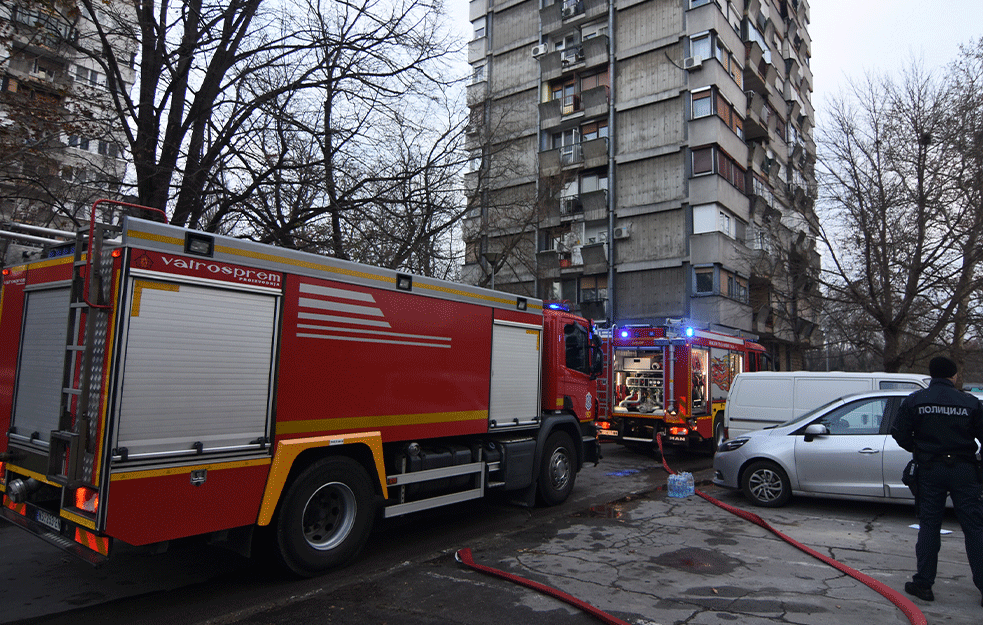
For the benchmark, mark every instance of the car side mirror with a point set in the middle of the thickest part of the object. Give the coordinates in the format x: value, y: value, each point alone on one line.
x: 815, y: 429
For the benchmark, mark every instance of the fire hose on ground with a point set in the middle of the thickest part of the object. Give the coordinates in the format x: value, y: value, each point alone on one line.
x: 909, y: 609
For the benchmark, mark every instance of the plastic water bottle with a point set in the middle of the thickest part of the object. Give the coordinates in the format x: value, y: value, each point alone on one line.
x: 689, y: 486
x: 681, y: 485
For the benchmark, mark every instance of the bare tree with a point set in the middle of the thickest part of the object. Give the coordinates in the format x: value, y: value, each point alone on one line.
x: 901, y: 249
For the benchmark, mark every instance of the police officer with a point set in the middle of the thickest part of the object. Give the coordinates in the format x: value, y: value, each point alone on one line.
x: 940, y: 426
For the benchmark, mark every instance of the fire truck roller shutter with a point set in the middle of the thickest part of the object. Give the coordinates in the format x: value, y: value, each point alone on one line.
x: 516, y: 358
x: 197, y: 368
x: 39, y: 376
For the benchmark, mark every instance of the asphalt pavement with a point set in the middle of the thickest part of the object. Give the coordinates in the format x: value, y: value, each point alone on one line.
x: 645, y: 558
x: 655, y: 560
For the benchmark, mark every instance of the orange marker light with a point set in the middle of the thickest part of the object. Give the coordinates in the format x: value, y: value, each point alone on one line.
x: 87, y: 499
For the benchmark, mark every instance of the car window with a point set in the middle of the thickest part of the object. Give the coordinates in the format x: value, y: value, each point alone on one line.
x: 887, y: 385
x: 808, y: 415
x: 855, y: 418
x: 893, y: 403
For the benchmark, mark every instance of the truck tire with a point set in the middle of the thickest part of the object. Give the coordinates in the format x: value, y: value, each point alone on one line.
x: 325, y: 518
x: 559, y: 469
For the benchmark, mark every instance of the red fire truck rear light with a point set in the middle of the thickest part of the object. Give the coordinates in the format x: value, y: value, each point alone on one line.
x: 87, y: 499
x: 678, y: 431
x: 117, y: 253
x: 6, y: 272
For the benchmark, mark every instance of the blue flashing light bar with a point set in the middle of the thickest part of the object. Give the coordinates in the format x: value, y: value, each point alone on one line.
x: 624, y: 334
x: 689, y: 331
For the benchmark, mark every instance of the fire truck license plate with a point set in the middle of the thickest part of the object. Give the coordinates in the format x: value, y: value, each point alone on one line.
x: 48, y: 519
x: 608, y: 432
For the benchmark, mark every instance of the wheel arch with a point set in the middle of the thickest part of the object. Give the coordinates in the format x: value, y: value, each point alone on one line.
x: 293, y: 456
x: 566, y: 423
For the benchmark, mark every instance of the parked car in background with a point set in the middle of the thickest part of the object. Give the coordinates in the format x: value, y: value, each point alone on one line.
x: 842, y: 449
x: 767, y: 398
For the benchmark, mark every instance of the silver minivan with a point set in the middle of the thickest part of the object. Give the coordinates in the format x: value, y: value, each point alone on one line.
x: 766, y: 398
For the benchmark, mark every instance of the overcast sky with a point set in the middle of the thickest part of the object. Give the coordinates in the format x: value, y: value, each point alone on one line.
x: 850, y: 37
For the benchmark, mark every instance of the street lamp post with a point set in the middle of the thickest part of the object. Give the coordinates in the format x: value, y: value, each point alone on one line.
x: 492, y: 259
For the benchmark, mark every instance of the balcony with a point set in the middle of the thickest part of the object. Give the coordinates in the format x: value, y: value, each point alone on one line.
x: 758, y: 123
x: 590, y: 53
x: 552, y: 162
x: 594, y: 153
x: 595, y: 101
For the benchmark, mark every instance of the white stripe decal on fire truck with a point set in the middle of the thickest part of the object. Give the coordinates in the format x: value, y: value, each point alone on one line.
x: 362, y: 316
x: 336, y: 319
x: 333, y: 292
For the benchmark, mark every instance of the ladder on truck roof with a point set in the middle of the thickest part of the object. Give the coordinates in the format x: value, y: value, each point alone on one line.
x: 71, y: 451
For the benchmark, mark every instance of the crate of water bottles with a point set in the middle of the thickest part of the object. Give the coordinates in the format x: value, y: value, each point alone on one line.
x: 681, y: 484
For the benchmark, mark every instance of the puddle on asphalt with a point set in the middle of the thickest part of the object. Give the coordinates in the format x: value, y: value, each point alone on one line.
x: 624, y: 473
x: 612, y: 510
x: 695, y: 560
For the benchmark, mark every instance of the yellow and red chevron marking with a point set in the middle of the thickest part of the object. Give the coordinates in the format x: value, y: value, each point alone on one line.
x: 19, y: 508
x: 96, y: 543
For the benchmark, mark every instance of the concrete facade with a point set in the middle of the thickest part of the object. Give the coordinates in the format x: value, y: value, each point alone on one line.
x: 63, y: 144
x: 665, y: 156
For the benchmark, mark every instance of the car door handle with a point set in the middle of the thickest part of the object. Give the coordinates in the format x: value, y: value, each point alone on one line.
x: 868, y: 450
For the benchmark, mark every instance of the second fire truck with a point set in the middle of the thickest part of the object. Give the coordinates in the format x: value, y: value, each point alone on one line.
x: 670, y: 378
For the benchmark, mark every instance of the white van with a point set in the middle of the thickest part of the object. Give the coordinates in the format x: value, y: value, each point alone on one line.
x: 767, y: 398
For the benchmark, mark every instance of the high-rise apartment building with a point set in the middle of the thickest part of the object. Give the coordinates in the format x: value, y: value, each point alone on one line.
x: 646, y: 159
x: 60, y: 139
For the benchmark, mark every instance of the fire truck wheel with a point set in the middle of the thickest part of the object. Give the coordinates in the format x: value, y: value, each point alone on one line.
x: 326, y: 516
x: 766, y: 485
x: 559, y: 470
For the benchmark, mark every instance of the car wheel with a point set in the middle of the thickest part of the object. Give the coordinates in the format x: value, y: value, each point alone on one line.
x: 326, y: 516
x: 559, y: 469
x: 766, y: 485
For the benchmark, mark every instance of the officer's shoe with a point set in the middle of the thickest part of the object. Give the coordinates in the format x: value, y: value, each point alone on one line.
x: 922, y: 592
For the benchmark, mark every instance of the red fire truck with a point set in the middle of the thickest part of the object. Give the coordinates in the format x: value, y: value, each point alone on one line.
x: 670, y: 378
x: 158, y: 383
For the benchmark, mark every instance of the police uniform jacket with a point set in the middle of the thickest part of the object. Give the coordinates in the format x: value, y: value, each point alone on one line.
x: 939, y: 422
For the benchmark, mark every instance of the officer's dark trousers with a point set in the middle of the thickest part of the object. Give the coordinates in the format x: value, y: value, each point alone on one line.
x: 961, y: 482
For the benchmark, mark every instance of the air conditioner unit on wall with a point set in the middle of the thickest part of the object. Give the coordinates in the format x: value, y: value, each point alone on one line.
x: 621, y: 232
x: 569, y: 11
x: 692, y: 62
x: 539, y: 50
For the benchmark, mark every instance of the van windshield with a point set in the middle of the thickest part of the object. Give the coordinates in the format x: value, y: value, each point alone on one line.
x: 807, y: 415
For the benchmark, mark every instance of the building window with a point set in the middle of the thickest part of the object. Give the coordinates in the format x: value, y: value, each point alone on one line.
x: 595, y: 130
x: 704, y: 280
x: 702, y: 161
x: 702, y: 104
x: 713, y: 160
x: 700, y: 47
x: 594, y: 80
x: 593, y: 289
x: 593, y: 182
x: 723, y: 223
x: 565, y: 138
x: 478, y: 75
x: 479, y: 27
